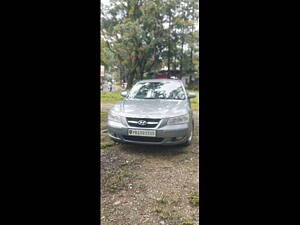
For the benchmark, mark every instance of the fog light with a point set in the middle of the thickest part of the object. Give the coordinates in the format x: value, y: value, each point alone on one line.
x: 179, y: 138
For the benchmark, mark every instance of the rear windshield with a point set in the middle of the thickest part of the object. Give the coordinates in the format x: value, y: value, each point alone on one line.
x: 157, y: 90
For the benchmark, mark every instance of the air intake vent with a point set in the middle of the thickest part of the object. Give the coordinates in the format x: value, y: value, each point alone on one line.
x: 143, y: 139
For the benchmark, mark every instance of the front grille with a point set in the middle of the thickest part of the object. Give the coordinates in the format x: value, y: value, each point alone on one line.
x: 143, y: 139
x: 151, y: 123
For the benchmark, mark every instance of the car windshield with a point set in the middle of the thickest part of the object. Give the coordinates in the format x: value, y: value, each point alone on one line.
x: 157, y: 90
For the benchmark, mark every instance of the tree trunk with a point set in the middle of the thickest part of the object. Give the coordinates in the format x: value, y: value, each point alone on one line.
x: 181, y: 58
x: 142, y: 76
x: 131, y: 75
x: 129, y: 81
x: 192, y: 65
x: 169, y: 44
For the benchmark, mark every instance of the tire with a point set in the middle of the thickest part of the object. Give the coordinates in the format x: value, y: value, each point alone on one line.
x: 190, y: 139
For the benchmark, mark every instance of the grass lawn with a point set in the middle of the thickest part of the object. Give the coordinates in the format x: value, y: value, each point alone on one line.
x: 103, y: 120
x: 111, y: 97
x: 195, y: 101
x: 106, y: 142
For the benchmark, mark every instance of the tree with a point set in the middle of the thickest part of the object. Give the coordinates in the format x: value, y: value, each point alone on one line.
x: 142, y: 35
x: 103, y: 58
x: 132, y: 30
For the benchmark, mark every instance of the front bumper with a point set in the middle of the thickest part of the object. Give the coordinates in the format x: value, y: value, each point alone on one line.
x: 166, y: 135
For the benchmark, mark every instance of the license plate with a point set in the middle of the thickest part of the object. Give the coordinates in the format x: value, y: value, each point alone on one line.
x: 144, y: 133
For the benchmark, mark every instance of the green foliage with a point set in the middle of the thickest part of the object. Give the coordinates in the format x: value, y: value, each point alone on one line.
x: 106, y: 142
x: 144, y: 36
x: 104, y: 59
x: 104, y: 116
x: 187, y: 222
x: 194, y: 198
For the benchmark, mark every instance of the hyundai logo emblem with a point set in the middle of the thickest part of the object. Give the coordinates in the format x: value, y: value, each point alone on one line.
x: 142, y: 123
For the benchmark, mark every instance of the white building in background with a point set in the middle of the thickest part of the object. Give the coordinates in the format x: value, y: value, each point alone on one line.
x: 101, y: 73
x: 185, y: 80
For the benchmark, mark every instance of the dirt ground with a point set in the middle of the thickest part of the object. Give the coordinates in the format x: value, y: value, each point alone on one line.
x: 150, y: 184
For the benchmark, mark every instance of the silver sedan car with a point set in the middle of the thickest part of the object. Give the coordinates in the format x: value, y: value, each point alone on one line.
x: 156, y: 111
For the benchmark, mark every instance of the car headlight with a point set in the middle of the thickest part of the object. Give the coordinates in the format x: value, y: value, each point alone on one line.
x: 114, y: 117
x: 178, y: 120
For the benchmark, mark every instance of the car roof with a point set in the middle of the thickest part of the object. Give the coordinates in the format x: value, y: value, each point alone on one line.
x: 160, y: 80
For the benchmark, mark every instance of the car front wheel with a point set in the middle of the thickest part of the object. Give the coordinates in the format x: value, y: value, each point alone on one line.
x: 189, y: 140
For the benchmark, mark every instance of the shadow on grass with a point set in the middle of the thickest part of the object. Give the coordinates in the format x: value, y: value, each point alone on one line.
x: 153, y: 150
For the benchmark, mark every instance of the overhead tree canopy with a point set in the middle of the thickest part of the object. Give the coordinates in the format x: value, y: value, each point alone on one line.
x: 141, y: 36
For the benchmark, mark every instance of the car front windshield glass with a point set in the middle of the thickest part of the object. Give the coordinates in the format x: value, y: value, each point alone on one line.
x: 157, y: 90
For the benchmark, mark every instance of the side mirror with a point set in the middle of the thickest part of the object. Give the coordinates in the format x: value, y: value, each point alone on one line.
x: 191, y: 95
x: 124, y: 93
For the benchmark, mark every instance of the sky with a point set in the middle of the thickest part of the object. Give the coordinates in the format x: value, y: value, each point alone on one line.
x: 104, y: 2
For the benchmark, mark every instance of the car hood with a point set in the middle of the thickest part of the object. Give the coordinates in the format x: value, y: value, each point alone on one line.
x: 151, y: 108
